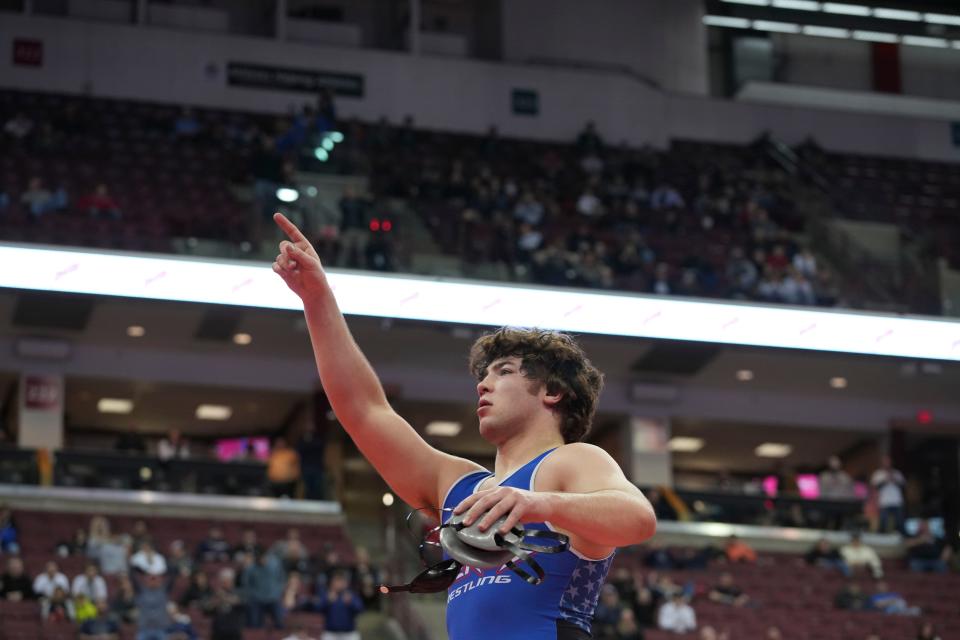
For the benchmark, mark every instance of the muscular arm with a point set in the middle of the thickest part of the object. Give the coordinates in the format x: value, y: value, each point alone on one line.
x: 414, y: 470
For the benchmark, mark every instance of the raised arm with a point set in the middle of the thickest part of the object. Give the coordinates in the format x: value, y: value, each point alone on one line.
x: 415, y: 471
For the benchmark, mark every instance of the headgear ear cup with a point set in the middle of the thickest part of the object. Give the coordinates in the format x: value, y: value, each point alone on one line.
x: 475, y: 548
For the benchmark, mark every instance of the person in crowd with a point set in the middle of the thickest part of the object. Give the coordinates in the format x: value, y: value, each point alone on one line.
x: 739, y: 551
x: 645, y: 608
x: 213, y: 548
x: 312, y: 447
x: 37, y: 199
x: 123, y: 607
x: 773, y: 633
x: 99, y: 533
x: 627, y: 627
x: 293, y: 598
x: 9, y: 533
x: 926, y: 553
x: 90, y: 584
x: 226, y: 608
x: 179, y: 561
x: 283, y: 469
x: 84, y: 608
x: 263, y: 583
x: 173, y: 446
x: 340, y: 607
x: 677, y: 615
x: 19, y: 127
x: 606, y: 616
x: 889, y: 483
x: 727, y: 592
x: 181, y: 626
x: 299, y: 632
x: 858, y: 555
x: 100, y: 203
x: 103, y: 626
x: 58, y: 607
x: 148, y: 560
x: 197, y: 591
x: 51, y: 579
x: 354, y: 228
x: 363, y: 567
x: 886, y: 600
x: 248, y: 544
x: 113, y: 555
x: 186, y: 126
x: 152, y: 598
x: 823, y: 554
x: 588, y: 140
x: 850, y: 598
x: 927, y: 632
x: 75, y: 546
x: 291, y: 551
x: 139, y: 534
x: 15, y: 584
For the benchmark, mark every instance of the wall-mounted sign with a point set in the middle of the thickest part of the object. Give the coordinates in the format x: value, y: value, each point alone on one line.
x: 525, y: 102
x: 27, y: 52
x: 260, y: 76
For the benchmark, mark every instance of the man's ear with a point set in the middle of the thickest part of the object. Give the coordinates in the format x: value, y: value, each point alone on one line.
x: 551, y: 399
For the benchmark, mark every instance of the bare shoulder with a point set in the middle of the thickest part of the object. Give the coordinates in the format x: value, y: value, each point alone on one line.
x: 576, y: 467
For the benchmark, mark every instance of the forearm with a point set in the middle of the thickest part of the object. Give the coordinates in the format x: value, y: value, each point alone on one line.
x: 612, y: 517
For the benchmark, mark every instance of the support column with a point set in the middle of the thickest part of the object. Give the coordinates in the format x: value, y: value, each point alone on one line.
x: 280, y: 20
x: 141, y: 17
x: 414, y: 37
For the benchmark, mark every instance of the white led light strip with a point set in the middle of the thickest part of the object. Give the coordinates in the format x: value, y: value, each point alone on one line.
x: 427, y: 299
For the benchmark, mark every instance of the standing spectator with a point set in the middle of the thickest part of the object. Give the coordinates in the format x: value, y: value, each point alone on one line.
x: 124, y: 604
x: 607, y: 614
x: 856, y: 555
x: 58, y: 607
x: 102, y: 626
x: 148, y: 560
x: 225, y: 607
x: 98, y: 534
x: 266, y: 169
x: 850, y: 598
x: 248, y: 544
x: 835, y: 482
x: 90, y: 584
x: 174, y: 445
x: 726, y: 592
x: 926, y: 553
x: 197, y: 591
x: 263, y: 583
x: 113, y: 555
x: 676, y: 615
x: 739, y: 551
x: 100, y: 203
x: 15, y: 584
x: 153, y: 615
x: 293, y: 598
x: 37, y: 199
x: 139, y: 535
x: 8, y: 531
x: 825, y: 555
x: 76, y: 546
x: 179, y: 561
x: 45, y: 583
x: 291, y: 551
x: 311, y: 448
x: 283, y: 469
x: 213, y: 548
x: 340, y: 608
x: 889, y: 483
x: 354, y: 229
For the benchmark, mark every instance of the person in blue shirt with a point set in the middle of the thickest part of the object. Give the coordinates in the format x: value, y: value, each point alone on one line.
x: 340, y: 607
x: 537, y: 393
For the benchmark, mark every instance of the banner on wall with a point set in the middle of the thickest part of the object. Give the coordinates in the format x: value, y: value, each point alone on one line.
x: 260, y: 76
x: 27, y: 52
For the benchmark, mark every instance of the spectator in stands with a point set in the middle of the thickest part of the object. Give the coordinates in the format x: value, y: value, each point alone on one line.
x: 835, y: 482
x: 627, y: 627
x: 181, y: 626
x: 139, y: 534
x: 528, y: 209
x: 90, y: 584
x: 677, y: 615
x: 293, y: 598
x: 666, y: 196
x: 805, y: 263
x: 823, y: 554
x: 113, y: 555
x: 606, y: 616
x: 888, y: 601
x: 148, y: 560
x: 19, y: 127
x: 197, y: 591
x: 100, y: 203
x: 291, y: 551
x: 213, y: 548
x: 589, y: 205
x: 15, y: 584
x: 363, y: 567
x: 124, y: 604
x: 888, y: 483
x: 741, y: 273
x: 225, y: 607
x: 248, y: 544
x: 850, y: 598
x: 926, y: 553
x: 186, y: 126
x: 354, y: 228
x: 856, y: 555
x: 774, y: 633
x: 103, y: 626
x: 709, y: 633
x: 299, y: 632
x: 152, y: 597
x: 51, y: 579
x: 283, y: 469
x: 173, y: 446
x: 263, y: 582
x: 37, y: 199
x: 312, y: 447
x: 739, y: 551
x: 726, y: 592
x: 179, y: 561
x: 340, y: 608
x: 8, y: 531
x: 76, y: 546
x: 645, y: 608
x: 588, y: 140
x: 58, y: 607
x: 84, y: 608
x: 927, y: 632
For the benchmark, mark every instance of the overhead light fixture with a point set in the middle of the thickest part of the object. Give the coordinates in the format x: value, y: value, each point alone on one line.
x: 744, y: 375
x: 726, y: 21
x: 846, y: 9
x: 797, y: 5
x: 242, y: 338
x: 956, y: 44
x: 826, y: 32
x: 923, y: 41
x: 286, y: 194
x: 214, y: 412
x: 136, y: 331
x: 779, y: 27
x: 114, y: 405
x: 682, y: 444
x: 773, y: 450
x: 756, y: 3
x: 445, y: 428
x: 897, y: 14
x: 838, y: 382
x: 941, y: 18
x: 388, y: 499
x: 876, y: 36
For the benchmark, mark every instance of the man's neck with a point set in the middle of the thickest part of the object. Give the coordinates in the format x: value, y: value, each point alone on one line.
x: 522, y: 448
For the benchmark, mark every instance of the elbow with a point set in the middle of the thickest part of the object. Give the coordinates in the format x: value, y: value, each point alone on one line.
x: 645, y: 525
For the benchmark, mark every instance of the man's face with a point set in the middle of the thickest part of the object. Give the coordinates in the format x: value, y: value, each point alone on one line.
x: 15, y: 566
x: 508, y: 400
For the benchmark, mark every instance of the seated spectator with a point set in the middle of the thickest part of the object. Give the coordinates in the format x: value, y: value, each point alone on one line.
x: 84, y: 608
x: 178, y: 562
x: 18, y: 127
x: 90, y: 584
x: 677, y: 616
x: 293, y: 598
x: 739, y: 551
x: 213, y: 548
x: 225, y: 607
x: 181, y: 626
x: 299, y: 632
x: 197, y: 591
x: 124, y: 604
x: 8, y: 532
x: 113, y: 555
x: 283, y: 469
x: 248, y: 544
x: 887, y: 601
x: 589, y: 205
x: 850, y: 598
x: 666, y: 197
x: 726, y: 592
x: 606, y: 617
x: 927, y: 632
x: 100, y: 203
x: 174, y: 445
x: 76, y: 546
x: 627, y: 627
x: 926, y: 553
x: 363, y: 567
x: 340, y: 608
x: 149, y: 561
x: 709, y: 633
x: 37, y: 199
x: 823, y: 554
x: 102, y: 626
x: 58, y: 607
x: 15, y: 584
x: 645, y: 608
x: 528, y: 209
x: 857, y: 555
x: 291, y: 551
x: 186, y: 126
x: 51, y: 579
x: 263, y: 583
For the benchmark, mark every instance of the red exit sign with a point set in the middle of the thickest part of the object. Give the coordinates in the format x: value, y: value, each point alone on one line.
x: 27, y: 53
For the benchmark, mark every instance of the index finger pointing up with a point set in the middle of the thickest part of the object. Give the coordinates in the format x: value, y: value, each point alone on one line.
x: 288, y: 227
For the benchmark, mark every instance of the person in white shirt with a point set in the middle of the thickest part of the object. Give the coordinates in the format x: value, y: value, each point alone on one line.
x: 889, y: 483
x: 45, y: 583
x: 676, y: 615
x: 173, y: 446
x: 856, y: 554
x: 90, y: 584
x: 148, y: 560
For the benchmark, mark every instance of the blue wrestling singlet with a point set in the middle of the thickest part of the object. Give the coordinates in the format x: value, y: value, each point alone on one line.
x: 497, y: 603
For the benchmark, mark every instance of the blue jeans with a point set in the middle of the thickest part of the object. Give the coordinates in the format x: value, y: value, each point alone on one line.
x: 839, y: 565
x: 935, y: 565
x: 258, y: 611
x: 891, y: 516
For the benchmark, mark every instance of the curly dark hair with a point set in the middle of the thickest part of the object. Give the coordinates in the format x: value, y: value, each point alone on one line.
x: 548, y: 358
